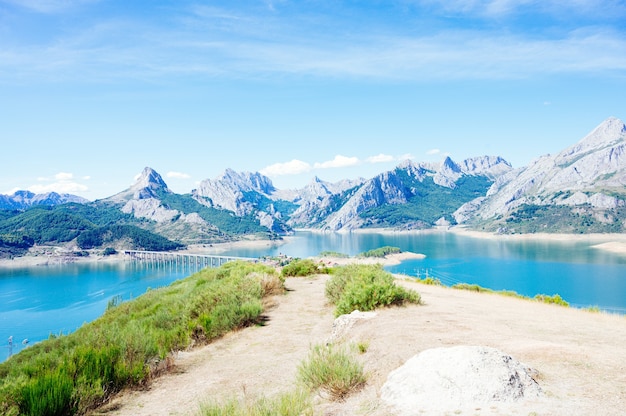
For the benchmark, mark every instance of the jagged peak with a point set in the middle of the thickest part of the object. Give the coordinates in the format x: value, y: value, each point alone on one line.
x: 149, y: 178
x: 448, y: 164
x: 247, y: 181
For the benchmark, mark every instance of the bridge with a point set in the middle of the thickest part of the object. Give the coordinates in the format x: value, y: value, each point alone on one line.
x: 183, y: 259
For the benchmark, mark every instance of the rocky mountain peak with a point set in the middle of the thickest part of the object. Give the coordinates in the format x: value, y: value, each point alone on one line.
x: 150, y: 179
x: 607, y: 134
x: 147, y: 185
x: 246, y: 181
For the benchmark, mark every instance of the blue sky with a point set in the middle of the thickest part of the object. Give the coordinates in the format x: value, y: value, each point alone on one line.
x: 92, y: 91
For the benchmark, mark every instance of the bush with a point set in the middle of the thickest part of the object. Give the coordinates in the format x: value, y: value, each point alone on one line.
x: 333, y: 370
x: 365, y: 288
x: 302, y: 267
x: 109, y: 251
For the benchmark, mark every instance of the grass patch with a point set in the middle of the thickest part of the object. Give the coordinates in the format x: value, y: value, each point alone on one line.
x: 362, y: 346
x: 132, y: 341
x: 431, y: 281
x: 332, y: 370
x: 365, y: 288
x: 295, y: 403
x: 554, y: 299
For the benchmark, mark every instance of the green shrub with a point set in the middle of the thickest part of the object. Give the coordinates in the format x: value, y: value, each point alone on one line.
x: 333, y: 370
x: 431, y: 281
x: 555, y: 299
x: 48, y: 395
x: 109, y: 251
x: 380, y: 252
x: 302, y: 267
x: 365, y: 288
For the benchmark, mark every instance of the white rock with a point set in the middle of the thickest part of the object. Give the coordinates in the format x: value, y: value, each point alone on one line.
x: 457, y: 379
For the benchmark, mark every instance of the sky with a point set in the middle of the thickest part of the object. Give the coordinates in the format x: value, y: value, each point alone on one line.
x: 93, y: 91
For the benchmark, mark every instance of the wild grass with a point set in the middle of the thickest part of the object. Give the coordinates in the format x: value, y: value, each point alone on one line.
x: 554, y: 299
x: 431, y: 281
x: 365, y: 288
x: 332, y: 370
x: 132, y: 341
x: 295, y: 403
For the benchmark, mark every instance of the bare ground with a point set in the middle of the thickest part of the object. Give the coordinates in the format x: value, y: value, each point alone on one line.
x: 580, y: 355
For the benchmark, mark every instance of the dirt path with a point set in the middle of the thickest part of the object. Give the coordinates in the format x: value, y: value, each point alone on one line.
x: 254, y: 361
x: 580, y: 356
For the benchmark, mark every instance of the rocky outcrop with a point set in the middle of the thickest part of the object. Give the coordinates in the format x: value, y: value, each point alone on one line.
x: 458, y: 379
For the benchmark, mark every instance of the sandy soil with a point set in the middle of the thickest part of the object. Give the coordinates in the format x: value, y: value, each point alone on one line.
x: 579, y: 355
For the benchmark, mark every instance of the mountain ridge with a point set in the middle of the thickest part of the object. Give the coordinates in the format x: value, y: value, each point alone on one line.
x: 580, y: 189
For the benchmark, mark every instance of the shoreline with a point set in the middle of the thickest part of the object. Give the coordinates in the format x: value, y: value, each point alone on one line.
x: 612, y: 243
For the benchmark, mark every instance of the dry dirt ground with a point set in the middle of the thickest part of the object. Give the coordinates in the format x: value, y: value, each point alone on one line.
x: 580, y: 356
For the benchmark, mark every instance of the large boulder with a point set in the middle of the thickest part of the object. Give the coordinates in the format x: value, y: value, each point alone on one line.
x: 456, y: 380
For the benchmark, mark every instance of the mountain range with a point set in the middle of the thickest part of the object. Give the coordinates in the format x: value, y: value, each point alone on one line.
x: 581, y: 189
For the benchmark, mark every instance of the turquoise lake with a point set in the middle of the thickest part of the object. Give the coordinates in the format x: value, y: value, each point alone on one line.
x: 38, y: 301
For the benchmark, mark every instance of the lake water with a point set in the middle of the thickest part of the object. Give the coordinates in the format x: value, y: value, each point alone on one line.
x: 39, y: 301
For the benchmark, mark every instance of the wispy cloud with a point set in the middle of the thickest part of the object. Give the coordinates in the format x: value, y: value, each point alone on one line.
x: 432, y: 152
x: 214, y: 42
x: 178, y: 175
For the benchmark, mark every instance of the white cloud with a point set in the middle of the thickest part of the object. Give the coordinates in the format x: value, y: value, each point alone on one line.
x: 64, y: 176
x: 62, y: 187
x: 178, y: 175
x: 293, y: 167
x: 338, y: 162
x: 432, y: 152
x: 62, y: 183
x: 380, y: 158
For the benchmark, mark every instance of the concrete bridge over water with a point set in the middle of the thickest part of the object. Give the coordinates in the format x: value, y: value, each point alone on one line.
x: 182, y: 259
